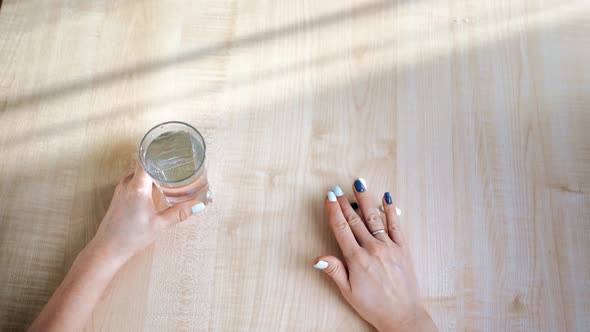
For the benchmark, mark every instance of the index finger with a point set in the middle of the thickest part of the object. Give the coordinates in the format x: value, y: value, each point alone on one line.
x: 339, y: 225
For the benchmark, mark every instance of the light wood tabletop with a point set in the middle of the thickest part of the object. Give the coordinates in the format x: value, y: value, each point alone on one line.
x: 474, y: 114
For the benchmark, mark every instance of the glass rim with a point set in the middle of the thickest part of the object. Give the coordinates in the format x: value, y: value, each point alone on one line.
x: 167, y: 123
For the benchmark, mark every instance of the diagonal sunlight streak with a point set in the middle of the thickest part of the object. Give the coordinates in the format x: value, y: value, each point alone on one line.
x: 263, y: 77
x: 330, y: 65
x: 102, y: 79
x: 488, y: 33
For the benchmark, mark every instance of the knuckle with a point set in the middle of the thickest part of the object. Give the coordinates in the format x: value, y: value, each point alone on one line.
x: 340, y: 226
x: 333, y: 269
x: 374, y: 220
x: 356, y: 256
x: 182, y: 215
x: 133, y: 187
x: 354, y: 220
x: 379, y: 250
x: 394, y: 226
x: 134, y: 193
x: 122, y: 182
x: 137, y: 190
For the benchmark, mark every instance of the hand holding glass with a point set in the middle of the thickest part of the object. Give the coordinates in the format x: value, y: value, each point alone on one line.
x: 173, y: 155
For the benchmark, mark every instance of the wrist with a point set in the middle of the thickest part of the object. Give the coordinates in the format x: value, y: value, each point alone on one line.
x: 101, y: 255
x: 419, y: 320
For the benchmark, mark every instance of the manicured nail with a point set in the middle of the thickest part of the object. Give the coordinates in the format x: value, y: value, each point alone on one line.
x: 198, y: 208
x: 359, y: 185
x: 338, y: 191
x: 320, y: 265
x: 354, y: 205
x: 331, y: 196
x: 387, y: 197
x: 398, y: 211
x: 363, y: 182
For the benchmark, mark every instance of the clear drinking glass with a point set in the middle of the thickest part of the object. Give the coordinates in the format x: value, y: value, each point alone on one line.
x: 173, y: 154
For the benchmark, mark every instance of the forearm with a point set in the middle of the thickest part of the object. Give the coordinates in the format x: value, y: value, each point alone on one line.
x: 72, y: 303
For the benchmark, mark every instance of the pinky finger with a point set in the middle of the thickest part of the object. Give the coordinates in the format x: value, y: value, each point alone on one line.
x: 392, y: 215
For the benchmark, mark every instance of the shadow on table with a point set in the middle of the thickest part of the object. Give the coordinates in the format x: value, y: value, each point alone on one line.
x: 26, y: 290
x: 93, y: 196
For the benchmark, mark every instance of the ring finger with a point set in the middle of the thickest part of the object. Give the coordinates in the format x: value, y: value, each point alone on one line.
x: 369, y: 210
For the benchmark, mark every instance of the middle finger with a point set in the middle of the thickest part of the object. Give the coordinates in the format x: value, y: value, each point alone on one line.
x: 356, y: 223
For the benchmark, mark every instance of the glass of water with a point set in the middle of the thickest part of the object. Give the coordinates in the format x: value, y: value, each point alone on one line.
x: 173, y: 154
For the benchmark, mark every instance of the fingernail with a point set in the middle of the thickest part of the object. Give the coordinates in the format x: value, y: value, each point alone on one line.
x: 387, y: 197
x: 398, y: 211
x: 198, y: 208
x: 320, y: 265
x: 363, y: 182
x: 354, y: 205
x: 338, y: 191
x: 359, y: 185
x: 331, y: 196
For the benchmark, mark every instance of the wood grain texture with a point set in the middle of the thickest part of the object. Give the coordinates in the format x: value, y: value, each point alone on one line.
x: 474, y: 114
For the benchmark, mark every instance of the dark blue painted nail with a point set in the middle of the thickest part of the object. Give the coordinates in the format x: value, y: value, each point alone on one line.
x: 358, y: 185
x: 387, y: 198
x: 354, y: 205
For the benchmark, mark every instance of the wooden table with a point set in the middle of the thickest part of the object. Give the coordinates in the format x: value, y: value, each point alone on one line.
x: 474, y: 114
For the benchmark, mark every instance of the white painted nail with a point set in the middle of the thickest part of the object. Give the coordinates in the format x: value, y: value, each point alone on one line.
x: 398, y: 211
x: 363, y: 182
x: 331, y: 196
x: 338, y: 191
x: 321, y: 265
x: 198, y: 208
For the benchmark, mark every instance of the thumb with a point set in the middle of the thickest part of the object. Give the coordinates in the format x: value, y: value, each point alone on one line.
x: 181, y: 212
x: 333, y: 267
